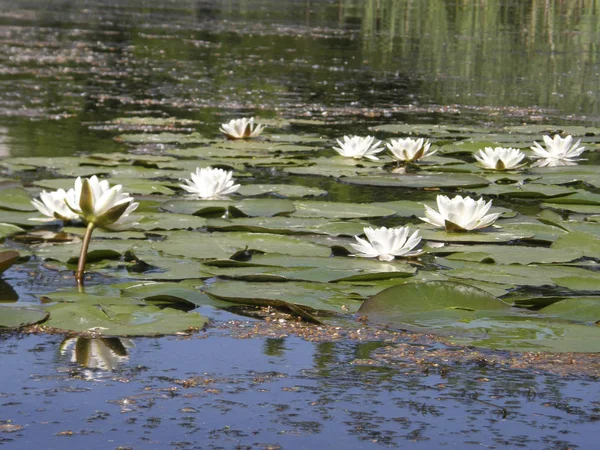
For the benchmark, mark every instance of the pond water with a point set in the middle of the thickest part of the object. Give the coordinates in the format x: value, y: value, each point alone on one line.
x: 136, y: 91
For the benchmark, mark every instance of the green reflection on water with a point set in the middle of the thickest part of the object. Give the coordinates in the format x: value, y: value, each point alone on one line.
x: 65, y: 64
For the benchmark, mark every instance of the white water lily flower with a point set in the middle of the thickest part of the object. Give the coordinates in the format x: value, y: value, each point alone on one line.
x: 53, y: 205
x: 386, y: 243
x: 359, y: 147
x: 241, y: 129
x: 94, y: 201
x: 500, y: 158
x: 558, y: 148
x: 410, y: 150
x: 460, y: 214
x: 211, y: 184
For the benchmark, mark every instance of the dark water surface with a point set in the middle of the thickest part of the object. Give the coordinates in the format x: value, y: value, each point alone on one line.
x: 68, y: 67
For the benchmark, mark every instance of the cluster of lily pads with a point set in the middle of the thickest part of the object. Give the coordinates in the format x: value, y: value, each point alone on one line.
x: 207, y: 239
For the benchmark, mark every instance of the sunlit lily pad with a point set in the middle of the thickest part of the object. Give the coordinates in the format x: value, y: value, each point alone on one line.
x: 286, y: 190
x: 470, y: 316
x: 585, y: 309
x: 223, y: 245
x: 12, y: 317
x: 7, y: 229
x: 16, y: 198
x: 420, y: 181
x: 288, y: 225
x: 509, y: 254
x: 122, y: 320
x: 313, y: 296
x: 519, y: 275
x: 586, y: 244
x: 162, y: 138
x: 490, y: 234
x: 530, y: 190
x: 338, y: 210
x: 265, y: 207
x: 170, y: 292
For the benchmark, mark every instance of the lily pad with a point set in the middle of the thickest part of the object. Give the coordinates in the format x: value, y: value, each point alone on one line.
x: 420, y: 181
x: 223, y: 245
x: 467, y: 315
x: 241, y: 208
x: 16, y: 199
x: 162, y: 138
x: 7, y: 229
x: 11, y: 317
x: 314, y: 297
x: 122, y: 320
x: 288, y: 225
x: 338, y: 210
x: 285, y: 190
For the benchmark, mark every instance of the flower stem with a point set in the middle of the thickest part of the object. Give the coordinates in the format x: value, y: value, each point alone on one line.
x: 83, y: 255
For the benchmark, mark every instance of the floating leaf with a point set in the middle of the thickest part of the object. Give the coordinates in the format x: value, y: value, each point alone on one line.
x: 468, y: 315
x: 16, y: 199
x: 338, y: 210
x: 286, y: 190
x: 122, y: 320
x: 11, y: 317
x: 312, y: 296
x: 419, y: 181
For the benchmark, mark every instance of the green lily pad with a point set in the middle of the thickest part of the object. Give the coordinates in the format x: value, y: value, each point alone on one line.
x: 529, y: 190
x: 285, y: 190
x: 585, y: 309
x: 517, y: 275
x: 583, y: 281
x: 169, y: 221
x: 585, y: 243
x: 419, y: 181
x: 248, y: 207
x: 153, y: 121
x: 338, y: 210
x: 509, y: 254
x: 313, y: 297
x: 122, y: 320
x: 7, y: 229
x: 288, y: 225
x: 467, y: 315
x: 171, y: 292
x: 490, y: 235
x: 11, y: 317
x: 223, y: 245
x: 162, y: 138
x: 16, y: 199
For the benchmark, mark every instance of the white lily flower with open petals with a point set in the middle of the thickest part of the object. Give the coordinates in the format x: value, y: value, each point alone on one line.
x: 410, y: 150
x: 460, y: 214
x: 53, y: 205
x: 558, y: 148
x: 500, y: 158
x: 359, y: 147
x: 387, y: 243
x: 95, y: 202
x: 241, y: 129
x: 211, y: 184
